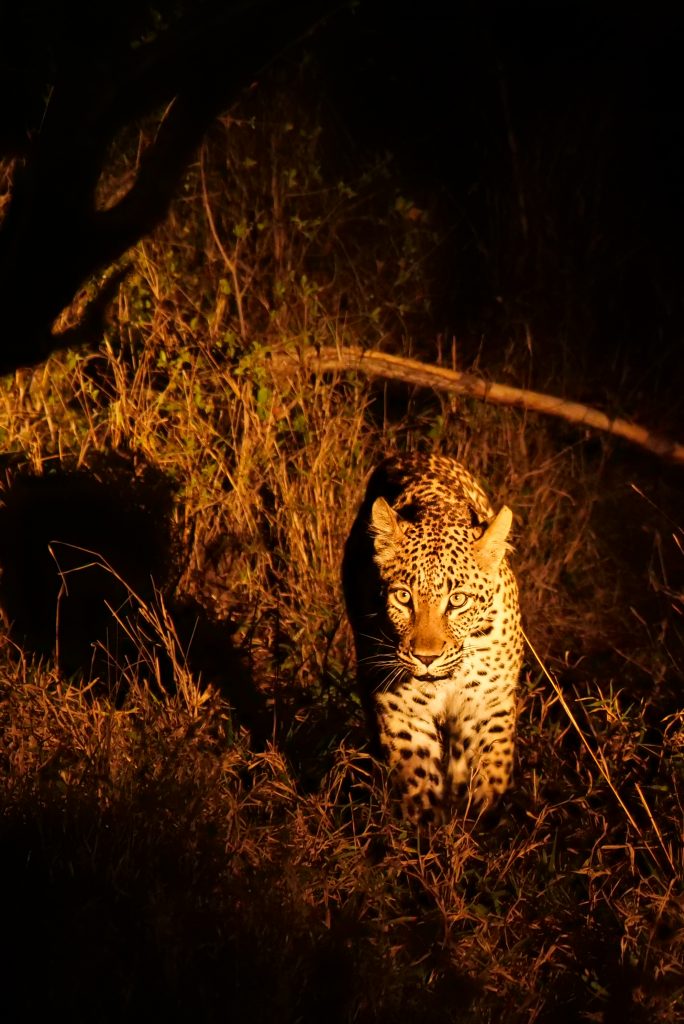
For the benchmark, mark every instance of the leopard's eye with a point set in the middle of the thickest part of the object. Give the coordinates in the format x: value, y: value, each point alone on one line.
x: 458, y: 599
x: 402, y: 595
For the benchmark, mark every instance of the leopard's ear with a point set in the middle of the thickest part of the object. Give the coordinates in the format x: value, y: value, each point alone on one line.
x: 491, y: 547
x: 386, y: 528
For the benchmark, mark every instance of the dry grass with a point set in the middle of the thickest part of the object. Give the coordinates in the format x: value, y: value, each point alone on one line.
x: 161, y: 853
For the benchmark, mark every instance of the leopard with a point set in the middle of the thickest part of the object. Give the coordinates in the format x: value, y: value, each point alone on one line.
x: 434, y: 609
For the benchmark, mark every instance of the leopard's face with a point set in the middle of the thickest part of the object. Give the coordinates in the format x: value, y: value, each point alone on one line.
x: 437, y: 608
x: 439, y: 574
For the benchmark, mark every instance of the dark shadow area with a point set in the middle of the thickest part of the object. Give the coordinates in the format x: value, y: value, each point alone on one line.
x: 83, y: 555
x: 310, y: 729
x: 86, y: 75
x: 161, y: 922
x: 550, y: 143
x: 637, y: 522
x: 76, y: 549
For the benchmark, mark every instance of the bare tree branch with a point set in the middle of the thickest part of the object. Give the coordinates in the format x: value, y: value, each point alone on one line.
x: 411, y: 371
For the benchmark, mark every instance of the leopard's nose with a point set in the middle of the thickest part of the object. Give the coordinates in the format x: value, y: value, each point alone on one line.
x: 425, y: 659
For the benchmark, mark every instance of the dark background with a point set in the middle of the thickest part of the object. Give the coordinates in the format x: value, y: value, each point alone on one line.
x: 550, y: 138
x: 544, y: 141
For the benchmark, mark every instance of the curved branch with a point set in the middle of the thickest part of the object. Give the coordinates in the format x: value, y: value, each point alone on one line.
x: 411, y: 371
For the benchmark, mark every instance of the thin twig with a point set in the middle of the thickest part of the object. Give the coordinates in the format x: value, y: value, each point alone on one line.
x: 230, y: 264
x: 600, y: 763
x: 655, y: 826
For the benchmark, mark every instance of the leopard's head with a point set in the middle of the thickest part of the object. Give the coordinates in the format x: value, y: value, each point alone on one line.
x: 440, y: 571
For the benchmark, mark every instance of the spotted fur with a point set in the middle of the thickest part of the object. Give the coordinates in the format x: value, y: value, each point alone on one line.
x: 434, y: 608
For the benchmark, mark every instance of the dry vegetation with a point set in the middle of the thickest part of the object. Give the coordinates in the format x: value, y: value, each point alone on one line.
x: 190, y: 825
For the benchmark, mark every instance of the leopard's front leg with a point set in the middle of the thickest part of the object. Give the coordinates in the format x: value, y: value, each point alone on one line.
x: 481, y: 747
x: 412, y: 746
